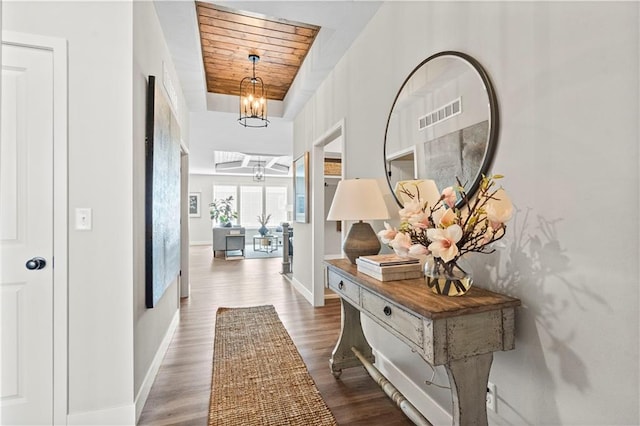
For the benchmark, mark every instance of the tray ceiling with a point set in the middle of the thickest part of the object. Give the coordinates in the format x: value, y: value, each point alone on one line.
x: 228, y: 36
x: 239, y: 163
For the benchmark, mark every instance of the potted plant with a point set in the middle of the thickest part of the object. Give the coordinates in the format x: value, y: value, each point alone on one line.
x: 222, y: 211
x: 263, y: 219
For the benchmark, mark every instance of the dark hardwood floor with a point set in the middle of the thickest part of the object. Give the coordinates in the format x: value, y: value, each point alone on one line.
x: 180, y: 393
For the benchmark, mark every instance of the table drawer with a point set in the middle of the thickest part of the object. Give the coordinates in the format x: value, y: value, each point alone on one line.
x: 344, y: 287
x: 397, y: 318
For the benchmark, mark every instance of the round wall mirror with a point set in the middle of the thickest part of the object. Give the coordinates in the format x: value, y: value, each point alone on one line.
x: 443, y: 124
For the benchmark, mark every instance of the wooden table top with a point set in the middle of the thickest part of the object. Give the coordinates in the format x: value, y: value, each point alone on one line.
x: 417, y: 297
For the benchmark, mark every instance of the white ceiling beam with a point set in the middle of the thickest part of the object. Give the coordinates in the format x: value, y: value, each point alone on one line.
x: 230, y: 165
x: 273, y: 161
x: 279, y: 168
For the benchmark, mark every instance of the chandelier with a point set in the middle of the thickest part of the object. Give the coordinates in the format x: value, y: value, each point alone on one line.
x: 258, y: 172
x: 253, y: 101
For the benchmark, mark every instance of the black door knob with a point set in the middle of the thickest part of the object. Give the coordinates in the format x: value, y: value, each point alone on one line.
x: 36, y: 263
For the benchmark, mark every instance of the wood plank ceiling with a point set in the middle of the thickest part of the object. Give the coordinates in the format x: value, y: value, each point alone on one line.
x: 229, y: 36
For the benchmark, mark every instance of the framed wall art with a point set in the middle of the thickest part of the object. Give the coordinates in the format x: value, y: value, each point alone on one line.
x: 301, y: 188
x: 194, y: 204
x: 162, y: 195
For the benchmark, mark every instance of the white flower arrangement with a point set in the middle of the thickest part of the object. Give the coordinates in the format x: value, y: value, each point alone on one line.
x: 445, y: 231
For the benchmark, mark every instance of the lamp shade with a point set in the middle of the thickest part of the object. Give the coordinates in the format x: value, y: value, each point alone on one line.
x: 358, y: 199
x: 426, y: 188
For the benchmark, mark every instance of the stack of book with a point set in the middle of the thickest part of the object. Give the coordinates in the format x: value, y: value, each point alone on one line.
x: 389, y: 267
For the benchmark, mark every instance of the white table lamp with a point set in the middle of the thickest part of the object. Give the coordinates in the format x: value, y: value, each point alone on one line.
x: 426, y: 188
x: 359, y: 199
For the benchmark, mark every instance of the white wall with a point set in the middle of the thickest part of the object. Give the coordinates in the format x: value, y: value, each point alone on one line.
x: 221, y: 131
x: 566, y: 76
x: 332, y: 237
x: 113, y: 338
x: 150, y: 57
x: 99, y: 38
x: 200, y: 227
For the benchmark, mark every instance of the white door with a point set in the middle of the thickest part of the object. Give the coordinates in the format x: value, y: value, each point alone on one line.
x: 26, y: 232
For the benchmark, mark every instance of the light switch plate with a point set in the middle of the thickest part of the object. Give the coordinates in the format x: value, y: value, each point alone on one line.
x: 83, y: 219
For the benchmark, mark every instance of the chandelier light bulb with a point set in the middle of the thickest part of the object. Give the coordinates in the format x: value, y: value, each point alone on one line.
x: 253, y: 111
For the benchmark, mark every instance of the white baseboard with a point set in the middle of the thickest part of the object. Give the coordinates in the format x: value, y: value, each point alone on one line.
x: 143, y: 393
x: 122, y: 415
x: 306, y: 293
x: 427, y: 406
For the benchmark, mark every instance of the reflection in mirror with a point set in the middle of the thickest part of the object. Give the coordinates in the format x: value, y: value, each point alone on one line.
x: 443, y: 124
x: 402, y: 165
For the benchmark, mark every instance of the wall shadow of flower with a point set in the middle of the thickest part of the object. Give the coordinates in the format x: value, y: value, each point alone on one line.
x: 533, y: 266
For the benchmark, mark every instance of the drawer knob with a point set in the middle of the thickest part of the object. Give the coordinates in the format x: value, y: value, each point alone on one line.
x: 387, y: 311
x: 341, y: 284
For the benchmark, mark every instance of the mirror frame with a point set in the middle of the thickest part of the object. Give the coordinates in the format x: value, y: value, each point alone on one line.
x: 494, y: 121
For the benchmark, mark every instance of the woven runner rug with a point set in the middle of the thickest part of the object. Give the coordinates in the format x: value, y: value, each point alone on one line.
x: 259, y: 377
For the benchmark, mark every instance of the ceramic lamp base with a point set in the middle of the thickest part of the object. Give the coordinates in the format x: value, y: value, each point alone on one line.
x: 361, y: 241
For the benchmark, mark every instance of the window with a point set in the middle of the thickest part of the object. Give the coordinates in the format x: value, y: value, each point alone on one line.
x: 225, y: 191
x: 251, y: 205
x: 276, y: 204
x: 252, y: 200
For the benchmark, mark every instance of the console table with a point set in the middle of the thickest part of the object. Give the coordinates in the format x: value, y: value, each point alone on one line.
x: 460, y: 333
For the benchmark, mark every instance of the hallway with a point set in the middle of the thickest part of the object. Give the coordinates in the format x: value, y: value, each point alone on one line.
x: 180, y: 393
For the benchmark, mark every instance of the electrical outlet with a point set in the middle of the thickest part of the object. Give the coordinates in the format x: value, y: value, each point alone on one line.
x: 492, y: 397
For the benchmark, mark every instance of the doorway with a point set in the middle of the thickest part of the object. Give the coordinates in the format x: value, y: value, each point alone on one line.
x: 336, y: 135
x: 33, y: 181
x: 401, y: 166
x: 332, y: 175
